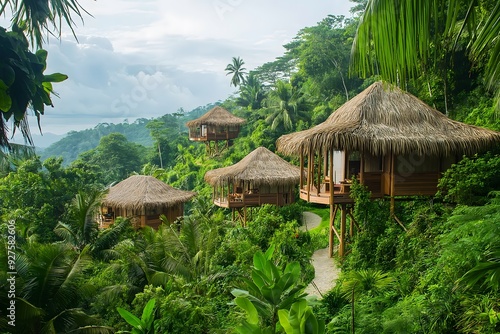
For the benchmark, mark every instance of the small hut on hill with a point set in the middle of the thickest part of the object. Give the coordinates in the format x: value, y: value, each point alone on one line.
x: 144, y: 199
x: 389, y: 140
x: 262, y: 177
x: 217, y: 125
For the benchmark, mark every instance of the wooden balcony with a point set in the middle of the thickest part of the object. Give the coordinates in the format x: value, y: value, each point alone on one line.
x: 240, y: 200
x: 340, y: 194
x: 213, y: 136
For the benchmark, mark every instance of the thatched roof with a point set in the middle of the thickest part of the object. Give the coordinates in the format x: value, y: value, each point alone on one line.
x: 260, y: 167
x: 140, y: 191
x: 384, y: 119
x: 216, y: 116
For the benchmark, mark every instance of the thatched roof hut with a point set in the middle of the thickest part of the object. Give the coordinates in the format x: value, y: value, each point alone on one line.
x: 260, y: 167
x: 260, y: 178
x: 390, y: 141
x: 144, y: 198
x: 142, y: 191
x: 216, y: 116
x: 384, y: 119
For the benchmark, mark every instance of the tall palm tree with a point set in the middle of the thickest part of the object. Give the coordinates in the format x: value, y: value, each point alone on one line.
x: 237, y: 70
x: 82, y: 231
x: 398, y: 39
x: 190, y: 250
x: 364, y: 282
x: 49, y: 289
x: 251, y: 93
x: 286, y: 105
x: 13, y: 155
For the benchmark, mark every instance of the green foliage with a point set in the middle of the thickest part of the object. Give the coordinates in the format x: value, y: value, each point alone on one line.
x: 471, y: 179
x: 422, y: 42
x: 77, y: 142
x: 271, y: 289
x: 22, y: 82
x: 49, y: 289
x: 237, y: 70
x: 143, y: 325
x: 37, y: 198
x: 300, y: 320
x: 116, y: 157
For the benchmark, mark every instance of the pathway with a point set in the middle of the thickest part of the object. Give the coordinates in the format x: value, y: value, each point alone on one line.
x: 325, y: 269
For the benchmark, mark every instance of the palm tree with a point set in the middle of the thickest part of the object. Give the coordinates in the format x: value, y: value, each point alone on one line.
x: 49, y: 289
x: 398, y: 40
x: 286, y: 105
x: 251, y: 93
x: 364, y: 282
x: 190, y: 250
x: 13, y: 155
x: 486, y: 272
x: 83, y: 230
x: 237, y: 70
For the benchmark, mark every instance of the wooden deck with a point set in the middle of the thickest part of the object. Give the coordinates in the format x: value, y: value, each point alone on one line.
x: 214, y: 136
x: 248, y: 200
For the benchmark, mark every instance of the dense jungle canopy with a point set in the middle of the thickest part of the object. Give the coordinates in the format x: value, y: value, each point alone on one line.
x: 205, y: 273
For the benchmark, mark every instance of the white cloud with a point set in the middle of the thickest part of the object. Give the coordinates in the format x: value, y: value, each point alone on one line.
x: 147, y: 58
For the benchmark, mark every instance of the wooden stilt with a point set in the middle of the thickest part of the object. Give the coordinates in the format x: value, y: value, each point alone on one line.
x: 392, y: 207
x: 333, y: 209
x: 342, y: 231
x: 244, y: 216
x: 352, y: 219
x: 301, y: 180
x: 310, y: 164
x: 351, y: 223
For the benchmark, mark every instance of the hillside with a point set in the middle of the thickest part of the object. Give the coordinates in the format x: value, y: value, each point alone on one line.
x: 77, y: 142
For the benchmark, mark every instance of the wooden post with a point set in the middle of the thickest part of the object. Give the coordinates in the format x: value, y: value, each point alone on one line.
x: 392, y: 183
x: 362, y: 168
x: 332, y: 207
x: 351, y: 223
x: 309, y: 173
x: 342, y: 230
x: 301, y: 182
x: 244, y: 216
x: 346, y: 165
x: 319, y: 172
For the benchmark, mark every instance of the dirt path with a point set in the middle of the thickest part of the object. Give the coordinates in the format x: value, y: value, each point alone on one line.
x: 326, y: 271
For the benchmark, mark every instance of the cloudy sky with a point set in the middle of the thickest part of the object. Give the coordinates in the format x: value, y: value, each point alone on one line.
x: 145, y: 58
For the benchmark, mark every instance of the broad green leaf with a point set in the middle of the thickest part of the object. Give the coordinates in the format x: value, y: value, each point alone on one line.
x: 130, y: 318
x: 55, y: 77
x: 5, y: 100
x: 283, y: 316
x: 7, y: 75
x: 259, y: 279
x: 239, y: 293
x: 148, y: 313
x: 270, y: 252
x: 246, y: 328
x: 252, y: 314
x: 286, y: 281
x: 259, y: 261
x: 42, y: 57
x: 310, y: 325
x: 272, y: 294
